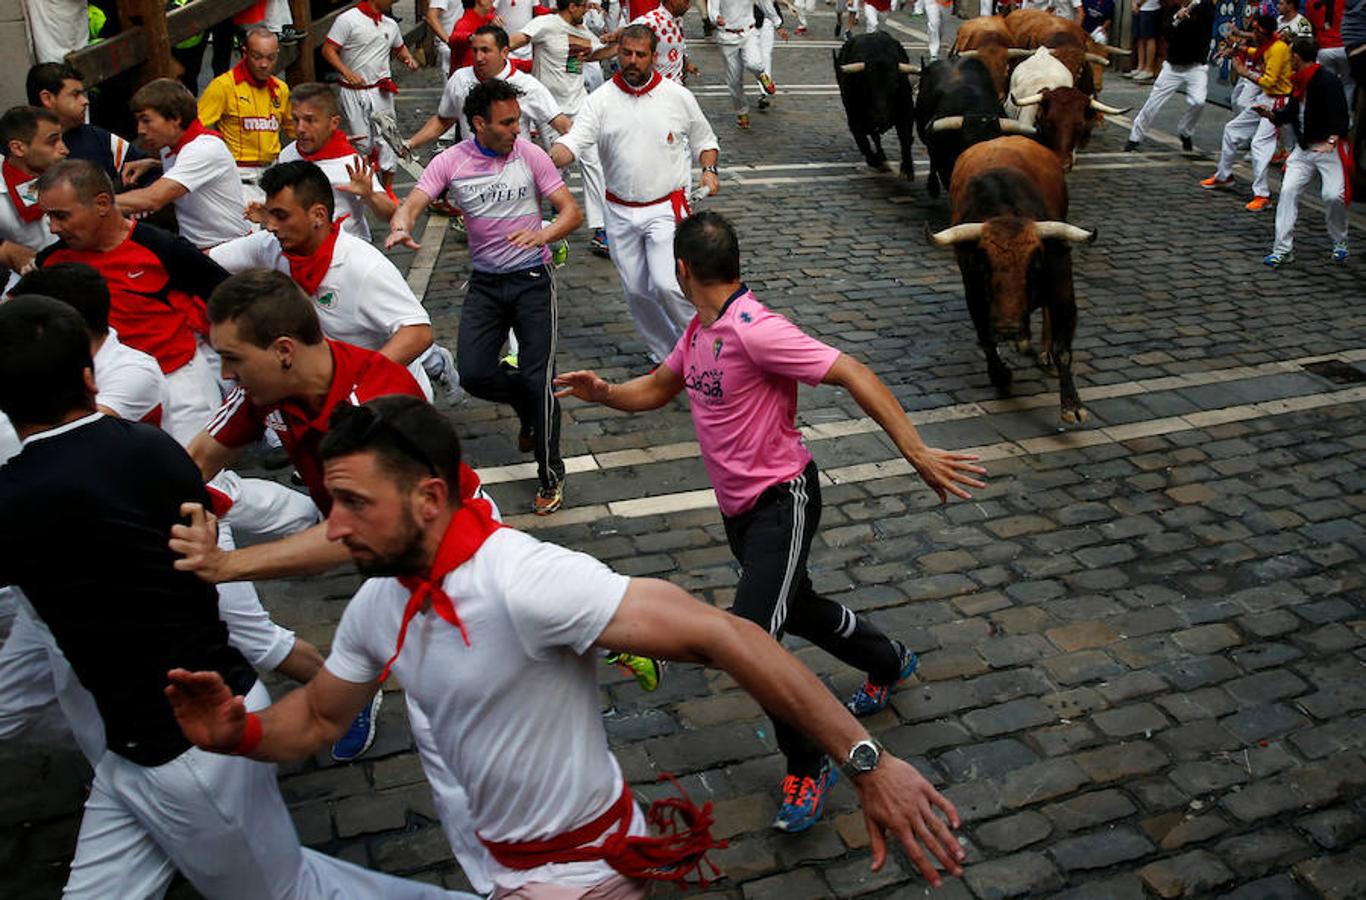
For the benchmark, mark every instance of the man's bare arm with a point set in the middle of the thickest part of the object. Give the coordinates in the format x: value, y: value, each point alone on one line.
x: 401, y: 225
x: 408, y: 343
x: 307, y: 552
x: 644, y: 392
x: 209, y: 454
x: 433, y: 128
x: 151, y: 198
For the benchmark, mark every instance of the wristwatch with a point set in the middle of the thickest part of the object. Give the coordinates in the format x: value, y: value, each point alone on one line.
x: 711, y: 169
x: 863, y: 758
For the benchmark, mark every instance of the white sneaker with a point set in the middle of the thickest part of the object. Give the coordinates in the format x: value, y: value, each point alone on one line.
x: 440, y: 367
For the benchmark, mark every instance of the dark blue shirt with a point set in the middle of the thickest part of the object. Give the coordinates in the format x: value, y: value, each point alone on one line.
x: 1094, y: 12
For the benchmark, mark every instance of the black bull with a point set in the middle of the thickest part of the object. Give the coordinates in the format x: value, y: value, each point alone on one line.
x: 960, y: 96
x: 871, y: 71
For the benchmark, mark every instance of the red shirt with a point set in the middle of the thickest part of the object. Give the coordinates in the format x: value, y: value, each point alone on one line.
x: 157, y: 283
x: 638, y: 8
x: 461, y: 53
x: 358, y: 375
x: 1326, y: 17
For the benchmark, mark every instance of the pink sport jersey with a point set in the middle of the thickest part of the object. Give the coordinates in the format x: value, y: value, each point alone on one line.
x: 742, y: 374
x: 498, y: 195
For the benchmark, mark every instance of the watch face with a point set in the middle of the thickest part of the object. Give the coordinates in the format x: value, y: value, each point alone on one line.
x: 863, y: 758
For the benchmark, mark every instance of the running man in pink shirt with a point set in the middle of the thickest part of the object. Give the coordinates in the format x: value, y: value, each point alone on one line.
x: 741, y: 363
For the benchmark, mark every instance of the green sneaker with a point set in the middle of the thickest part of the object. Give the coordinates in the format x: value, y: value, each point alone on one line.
x: 646, y: 671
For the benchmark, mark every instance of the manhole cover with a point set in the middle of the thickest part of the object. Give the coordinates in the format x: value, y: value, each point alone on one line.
x: 1337, y: 371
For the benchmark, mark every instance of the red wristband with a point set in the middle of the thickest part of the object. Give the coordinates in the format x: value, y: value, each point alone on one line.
x: 251, y: 736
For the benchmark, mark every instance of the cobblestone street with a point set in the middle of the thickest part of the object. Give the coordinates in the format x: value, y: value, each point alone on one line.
x: 1142, y: 645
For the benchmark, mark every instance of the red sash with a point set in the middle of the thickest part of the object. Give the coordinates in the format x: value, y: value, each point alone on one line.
x: 370, y: 12
x: 338, y: 146
x: 192, y: 131
x: 15, y: 179
x: 680, y: 848
x: 471, y: 525
x: 651, y: 83
x: 309, y: 270
x: 385, y: 85
x: 678, y: 198
x: 240, y: 73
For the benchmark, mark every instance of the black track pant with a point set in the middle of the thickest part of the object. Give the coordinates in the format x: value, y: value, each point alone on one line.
x: 771, y: 540
x: 525, y: 302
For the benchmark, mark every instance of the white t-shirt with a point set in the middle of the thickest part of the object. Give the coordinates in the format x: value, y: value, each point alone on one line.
x: 646, y: 141
x: 451, y: 11
x: 58, y: 27
x: 362, y: 300
x: 534, y: 768
x: 538, y: 106
x: 129, y: 382
x: 551, y: 64
x: 515, y: 14
x: 344, y: 202
x: 1150, y: 5
x: 1296, y: 27
x: 212, y: 210
x: 9, y: 440
x: 364, y: 45
x: 33, y: 235
x: 672, y: 45
x: 1064, y: 8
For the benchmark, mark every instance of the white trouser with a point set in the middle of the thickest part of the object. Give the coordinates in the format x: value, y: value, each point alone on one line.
x: 1245, y: 126
x: 263, y: 510
x: 443, y: 59
x: 193, y: 396
x: 1335, y: 60
x: 594, y: 182
x: 592, y: 76
x: 1299, y: 170
x: 934, y: 17
x: 218, y: 820
x: 766, y: 33
x: 642, y: 239
x: 358, y: 111
x: 870, y: 18
x: 250, y: 628
x: 1194, y: 78
x: 451, y: 802
x: 740, y: 52
x: 250, y: 176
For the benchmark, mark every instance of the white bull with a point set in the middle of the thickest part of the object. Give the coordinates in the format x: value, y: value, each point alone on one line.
x: 1040, y: 72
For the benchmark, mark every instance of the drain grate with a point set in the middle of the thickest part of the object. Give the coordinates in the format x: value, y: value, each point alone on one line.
x: 1337, y: 371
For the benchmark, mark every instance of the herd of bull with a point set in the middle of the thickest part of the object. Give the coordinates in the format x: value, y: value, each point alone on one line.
x: 1001, y: 119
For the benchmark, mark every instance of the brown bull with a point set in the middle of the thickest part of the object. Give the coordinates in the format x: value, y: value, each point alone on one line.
x: 1065, y: 119
x: 987, y: 39
x: 1033, y: 28
x: 1008, y: 199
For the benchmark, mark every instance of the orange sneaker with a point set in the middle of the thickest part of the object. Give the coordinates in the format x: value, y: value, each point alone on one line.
x: 1258, y: 204
x: 1214, y: 182
x: 742, y: 122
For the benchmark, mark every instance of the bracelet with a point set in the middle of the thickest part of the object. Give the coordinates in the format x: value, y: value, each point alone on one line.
x: 711, y: 169
x: 251, y: 736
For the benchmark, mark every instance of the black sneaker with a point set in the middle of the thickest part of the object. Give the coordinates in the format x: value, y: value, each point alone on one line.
x: 1186, y: 144
x: 1130, y: 146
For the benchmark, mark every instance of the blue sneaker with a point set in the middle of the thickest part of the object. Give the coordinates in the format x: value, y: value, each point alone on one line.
x: 361, y: 734
x: 598, y: 245
x: 803, y: 798
x: 1276, y: 260
x: 872, y: 698
x: 1339, y: 253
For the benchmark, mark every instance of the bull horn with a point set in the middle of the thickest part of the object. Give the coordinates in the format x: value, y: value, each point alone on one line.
x: 1116, y: 51
x: 1098, y: 59
x: 957, y: 234
x: 968, y: 54
x: 853, y: 68
x: 1018, y: 53
x: 1108, y: 110
x: 1010, y: 126
x: 947, y: 123
x: 908, y: 69
x: 1031, y: 100
x: 1062, y: 231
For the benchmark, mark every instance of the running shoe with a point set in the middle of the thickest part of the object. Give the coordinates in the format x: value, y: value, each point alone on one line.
x: 803, y: 798
x: 1257, y: 204
x: 1144, y: 77
x: 1187, y: 144
x: 645, y: 670
x: 764, y: 103
x: 559, y: 253
x: 801, y: 30
x: 361, y: 734
x: 440, y: 365
x: 549, y: 499
x: 766, y: 82
x: 1276, y: 260
x: 1215, y: 183
x: 510, y: 360
x: 872, y: 698
x: 1130, y: 146
x: 598, y: 245
x: 742, y: 122
x: 1339, y: 253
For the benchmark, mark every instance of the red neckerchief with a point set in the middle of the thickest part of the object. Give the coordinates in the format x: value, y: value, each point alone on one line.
x: 194, y: 130
x: 471, y: 525
x: 241, y: 73
x: 655, y: 79
x: 14, y: 179
x: 336, y: 147
x: 308, y: 270
x: 370, y: 12
x: 1299, y: 81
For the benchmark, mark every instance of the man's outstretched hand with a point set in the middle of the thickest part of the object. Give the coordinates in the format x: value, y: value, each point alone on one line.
x: 210, y: 715
x: 897, y: 800
x: 584, y: 385
x: 944, y: 471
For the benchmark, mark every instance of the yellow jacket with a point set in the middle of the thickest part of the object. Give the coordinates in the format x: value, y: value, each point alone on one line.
x: 1275, y: 80
x: 250, y: 118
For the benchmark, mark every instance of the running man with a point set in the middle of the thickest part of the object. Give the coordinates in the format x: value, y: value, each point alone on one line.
x: 741, y: 363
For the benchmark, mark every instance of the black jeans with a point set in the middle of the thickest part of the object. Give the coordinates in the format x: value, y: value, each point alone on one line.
x: 772, y: 540
x: 525, y: 302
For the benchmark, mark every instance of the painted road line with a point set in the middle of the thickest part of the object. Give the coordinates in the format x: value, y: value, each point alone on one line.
x: 821, y: 431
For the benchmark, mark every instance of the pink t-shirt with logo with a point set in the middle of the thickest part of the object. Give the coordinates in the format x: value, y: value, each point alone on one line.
x: 741, y: 373
x: 498, y: 195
